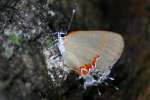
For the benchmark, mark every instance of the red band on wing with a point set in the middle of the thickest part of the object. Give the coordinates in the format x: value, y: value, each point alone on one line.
x: 84, y: 69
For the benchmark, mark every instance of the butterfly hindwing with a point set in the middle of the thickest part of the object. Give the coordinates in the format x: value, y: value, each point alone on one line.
x: 81, y: 47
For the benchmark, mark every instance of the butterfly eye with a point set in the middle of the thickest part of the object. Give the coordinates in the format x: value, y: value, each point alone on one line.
x: 62, y: 35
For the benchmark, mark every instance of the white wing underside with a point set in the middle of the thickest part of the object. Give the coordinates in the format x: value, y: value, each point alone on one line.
x: 82, y: 46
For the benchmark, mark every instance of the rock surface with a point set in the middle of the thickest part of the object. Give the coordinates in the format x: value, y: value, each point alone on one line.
x: 25, y: 24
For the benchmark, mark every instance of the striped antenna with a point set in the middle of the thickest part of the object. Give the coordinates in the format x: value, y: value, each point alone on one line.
x: 70, y: 23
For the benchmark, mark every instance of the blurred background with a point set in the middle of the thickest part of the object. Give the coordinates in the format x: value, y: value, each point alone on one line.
x: 23, y: 73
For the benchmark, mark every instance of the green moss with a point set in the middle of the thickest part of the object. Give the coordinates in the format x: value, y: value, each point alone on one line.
x: 15, y: 39
x: 49, y: 42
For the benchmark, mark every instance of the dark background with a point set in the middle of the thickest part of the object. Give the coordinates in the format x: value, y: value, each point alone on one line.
x: 22, y: 79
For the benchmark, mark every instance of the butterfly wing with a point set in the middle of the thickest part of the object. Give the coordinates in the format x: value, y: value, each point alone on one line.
x: 82, y: 46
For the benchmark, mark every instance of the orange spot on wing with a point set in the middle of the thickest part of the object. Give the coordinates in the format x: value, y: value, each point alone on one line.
x: 84, y: 69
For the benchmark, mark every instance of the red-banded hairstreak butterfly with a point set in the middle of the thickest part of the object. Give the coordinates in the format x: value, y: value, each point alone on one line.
x: 82, y: 46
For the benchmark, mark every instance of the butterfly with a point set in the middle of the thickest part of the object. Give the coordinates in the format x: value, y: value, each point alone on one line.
x: 86, y: 51
x: 82, y: 46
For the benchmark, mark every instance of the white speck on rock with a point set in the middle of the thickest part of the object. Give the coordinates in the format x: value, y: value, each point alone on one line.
x: 33, y: 31
x: 39, y: 22
x: 33, y: 8
x: 26, y: 15
x: 52, y: 13
x: 6, y: 32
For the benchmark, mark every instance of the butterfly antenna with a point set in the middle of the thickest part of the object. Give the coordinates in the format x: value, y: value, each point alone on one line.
x: 70, y: 23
